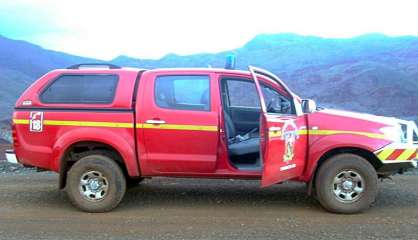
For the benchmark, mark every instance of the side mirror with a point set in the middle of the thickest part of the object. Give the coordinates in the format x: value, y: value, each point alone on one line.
x: 308, y: 106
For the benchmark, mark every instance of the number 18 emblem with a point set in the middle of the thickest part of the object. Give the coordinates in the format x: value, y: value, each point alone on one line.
x: 36, y: 121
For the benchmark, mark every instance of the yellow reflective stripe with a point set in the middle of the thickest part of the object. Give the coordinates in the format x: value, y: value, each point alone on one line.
x: 303, y: 132
x: 406, y: 154
x: 20, y: 121
x: 78, y: 123
x: 333, y: 132
x: 122, y: 125
x: 188, y: 127
x: 178, y: 127
x: 275, y: 134
x: 279, y: 133
x: 383, y: 155
x: 87, y: 124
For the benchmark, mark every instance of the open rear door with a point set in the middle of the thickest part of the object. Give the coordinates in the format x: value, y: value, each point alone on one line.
x: 283, y: 141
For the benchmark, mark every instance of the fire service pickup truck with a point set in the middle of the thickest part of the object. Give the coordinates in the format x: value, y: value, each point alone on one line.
x: 104, y: 128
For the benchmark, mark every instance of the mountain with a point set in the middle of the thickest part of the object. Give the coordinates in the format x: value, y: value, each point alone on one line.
x: 21, y: 63
x: 371, y: 73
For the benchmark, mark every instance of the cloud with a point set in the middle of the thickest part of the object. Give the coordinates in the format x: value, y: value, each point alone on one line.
x: 151, y: 29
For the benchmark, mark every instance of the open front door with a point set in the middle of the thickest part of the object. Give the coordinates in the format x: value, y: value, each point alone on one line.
x: 283, y: 137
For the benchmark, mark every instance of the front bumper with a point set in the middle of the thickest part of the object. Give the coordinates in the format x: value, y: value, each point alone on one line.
x: 397, y: 157
x: 11, y: 157
x: 403, y: 154
x: 398, y: 153
x: 396, y: 167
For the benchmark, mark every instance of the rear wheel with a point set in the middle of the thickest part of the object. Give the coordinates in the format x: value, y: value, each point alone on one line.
x: 96, y: 183
x: 346, y: 183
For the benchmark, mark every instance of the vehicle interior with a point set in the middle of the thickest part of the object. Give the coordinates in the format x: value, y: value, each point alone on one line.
x: 241, y: 115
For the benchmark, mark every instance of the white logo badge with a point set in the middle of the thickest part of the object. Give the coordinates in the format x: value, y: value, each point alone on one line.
x: 36, y: 121
x: 289, y: 135
x: 27, y: 103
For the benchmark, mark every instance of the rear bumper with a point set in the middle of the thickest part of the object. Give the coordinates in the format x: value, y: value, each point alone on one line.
x: 11, y: 157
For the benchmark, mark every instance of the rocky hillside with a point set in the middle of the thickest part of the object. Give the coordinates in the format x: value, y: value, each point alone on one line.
x: 4, y: 145
x: 21, y: 63
x: 5, y: 133
x: 371, y: 73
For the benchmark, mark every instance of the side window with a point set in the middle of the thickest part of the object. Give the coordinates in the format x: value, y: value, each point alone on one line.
x: 87, y: 89
x: 183, y: 92
x: 276, y: 102
x: 242, y: 94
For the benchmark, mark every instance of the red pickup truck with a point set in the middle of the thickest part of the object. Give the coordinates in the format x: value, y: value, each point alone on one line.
x: 104, y: 127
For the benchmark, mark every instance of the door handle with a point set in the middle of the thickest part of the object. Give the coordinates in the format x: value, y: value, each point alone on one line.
x: 155, y: 121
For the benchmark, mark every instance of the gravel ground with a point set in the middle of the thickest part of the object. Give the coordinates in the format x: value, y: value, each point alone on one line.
x: 31, y: 207
x: 7, y: 168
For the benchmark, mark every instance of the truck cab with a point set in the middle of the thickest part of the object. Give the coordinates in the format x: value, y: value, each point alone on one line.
x: 104, y: 128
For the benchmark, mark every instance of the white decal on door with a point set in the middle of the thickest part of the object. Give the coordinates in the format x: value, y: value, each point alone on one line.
x: 289, y: 135
x: 287, y: 167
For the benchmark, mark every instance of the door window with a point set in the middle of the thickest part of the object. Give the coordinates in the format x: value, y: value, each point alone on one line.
x: 183, y: 92
x: 276, y: 102
x: 243, y: 94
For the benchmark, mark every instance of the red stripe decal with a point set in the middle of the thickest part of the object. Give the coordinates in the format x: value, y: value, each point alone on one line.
x: 396, y: 154
x: 413, y: 156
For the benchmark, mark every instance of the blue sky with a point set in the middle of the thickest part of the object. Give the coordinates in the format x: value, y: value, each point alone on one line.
x: 152, y: 29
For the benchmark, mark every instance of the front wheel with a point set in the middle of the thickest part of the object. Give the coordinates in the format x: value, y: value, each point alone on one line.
x: 346, y: 183
x: 96, y: 183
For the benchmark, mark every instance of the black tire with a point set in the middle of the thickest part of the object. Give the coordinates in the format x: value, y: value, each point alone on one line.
x: 328, y: 186
x: 114, y: 180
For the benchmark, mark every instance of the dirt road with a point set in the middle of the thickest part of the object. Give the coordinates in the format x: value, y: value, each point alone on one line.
x: 31, y: 207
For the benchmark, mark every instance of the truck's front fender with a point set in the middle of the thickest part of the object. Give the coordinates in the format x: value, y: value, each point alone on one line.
x: 320, y: 146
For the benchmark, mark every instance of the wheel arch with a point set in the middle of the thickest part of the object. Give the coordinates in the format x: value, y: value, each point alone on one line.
x: 364, y: 153
x: 122, y: 150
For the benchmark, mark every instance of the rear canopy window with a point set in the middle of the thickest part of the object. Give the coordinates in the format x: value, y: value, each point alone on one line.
x: 183, y: 92
x: 89, y: 89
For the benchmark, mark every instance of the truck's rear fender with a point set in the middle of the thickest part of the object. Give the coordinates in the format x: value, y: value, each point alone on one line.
x: 125, y: 147
x: 325, y: 147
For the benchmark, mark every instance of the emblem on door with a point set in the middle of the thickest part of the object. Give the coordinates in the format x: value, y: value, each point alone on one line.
x: 289, y: 135
x: 36, y: 121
